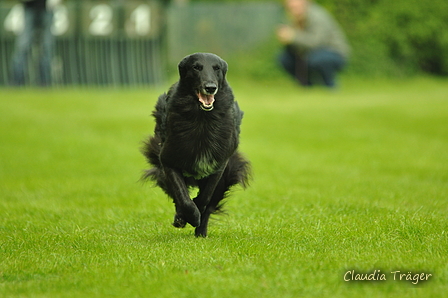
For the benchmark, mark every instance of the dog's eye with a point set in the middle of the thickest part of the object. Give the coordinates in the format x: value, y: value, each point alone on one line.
x: 197, y: 67
x: 216, y: 67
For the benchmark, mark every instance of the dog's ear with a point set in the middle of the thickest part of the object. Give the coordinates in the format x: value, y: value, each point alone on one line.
x: 224, y: 67
x: 182, y: 66
x: 186, y: 64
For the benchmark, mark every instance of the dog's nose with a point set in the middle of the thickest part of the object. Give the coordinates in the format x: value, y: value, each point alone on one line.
x: 210, y: 88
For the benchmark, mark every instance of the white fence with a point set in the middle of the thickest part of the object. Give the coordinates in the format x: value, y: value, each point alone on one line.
x: 96, y: 42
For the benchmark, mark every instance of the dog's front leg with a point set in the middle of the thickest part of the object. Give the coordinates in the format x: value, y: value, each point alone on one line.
x: 186, y: 210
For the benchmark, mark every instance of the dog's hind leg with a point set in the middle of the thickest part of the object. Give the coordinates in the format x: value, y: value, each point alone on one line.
x: 218, y: 195
x: 207, y: 188
x: 186, y: 210
x: 237, y: 171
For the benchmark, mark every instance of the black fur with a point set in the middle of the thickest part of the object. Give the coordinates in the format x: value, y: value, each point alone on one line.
x: 195, y: 141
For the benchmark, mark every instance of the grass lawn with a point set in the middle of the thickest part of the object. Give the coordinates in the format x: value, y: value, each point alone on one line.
x: 350, y: 180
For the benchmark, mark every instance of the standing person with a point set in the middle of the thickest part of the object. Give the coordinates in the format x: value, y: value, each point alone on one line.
x: 314, y: 44
x: 38, y: 19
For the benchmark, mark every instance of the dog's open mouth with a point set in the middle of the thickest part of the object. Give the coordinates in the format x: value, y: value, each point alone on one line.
x: 206, y: 100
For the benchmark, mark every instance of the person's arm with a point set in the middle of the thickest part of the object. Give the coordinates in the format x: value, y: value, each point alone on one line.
x: 314, y: 36
x: 318, y: 26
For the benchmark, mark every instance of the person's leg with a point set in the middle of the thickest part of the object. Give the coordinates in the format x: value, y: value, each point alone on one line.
x: 294, y: 65
x: 47, y: 47
x: 288, y: 61
x: 326, y: 64
x: 22, y: 48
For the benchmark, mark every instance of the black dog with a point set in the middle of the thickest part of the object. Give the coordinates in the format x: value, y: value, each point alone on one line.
x: 196, y: 139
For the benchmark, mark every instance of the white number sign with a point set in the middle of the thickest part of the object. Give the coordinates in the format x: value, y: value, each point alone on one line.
x: 101, y: 16
x: 61, y: 21
x: 140, y: 21
x: 14, y: 21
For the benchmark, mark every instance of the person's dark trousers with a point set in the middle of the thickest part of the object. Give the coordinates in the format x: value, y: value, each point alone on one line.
x: 35, y: 18
x: 321, y: 63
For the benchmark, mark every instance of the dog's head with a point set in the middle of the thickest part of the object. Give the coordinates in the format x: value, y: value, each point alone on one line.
x: 204, y: 74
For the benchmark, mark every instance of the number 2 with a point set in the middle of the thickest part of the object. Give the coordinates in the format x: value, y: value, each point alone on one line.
x: 101, y: 16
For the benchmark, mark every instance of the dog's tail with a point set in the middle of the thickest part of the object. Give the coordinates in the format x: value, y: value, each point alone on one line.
x: 238, y: 170
x: 151, y: 150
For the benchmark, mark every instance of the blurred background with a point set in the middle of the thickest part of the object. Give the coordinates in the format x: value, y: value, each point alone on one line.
x: 139, y: 42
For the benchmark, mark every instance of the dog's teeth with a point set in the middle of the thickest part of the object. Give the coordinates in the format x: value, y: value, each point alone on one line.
x: 207, y: 108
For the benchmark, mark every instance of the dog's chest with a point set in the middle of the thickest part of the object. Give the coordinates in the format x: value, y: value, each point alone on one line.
x: 198, y: 144
x: 204, y: 148
x: 209, y: 152
x: 204, y: 165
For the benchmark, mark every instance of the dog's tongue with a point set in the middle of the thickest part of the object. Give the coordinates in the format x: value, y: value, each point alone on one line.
x: 207, y: 100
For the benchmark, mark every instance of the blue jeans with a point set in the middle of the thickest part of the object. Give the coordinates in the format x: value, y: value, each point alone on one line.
x: 34, y: 19
x: 318, y: 65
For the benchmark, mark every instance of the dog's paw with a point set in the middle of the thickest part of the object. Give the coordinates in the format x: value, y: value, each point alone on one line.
x: 201, y: 232
x: 189, y: 213
x: 193, y: 217
x: 179, y: 222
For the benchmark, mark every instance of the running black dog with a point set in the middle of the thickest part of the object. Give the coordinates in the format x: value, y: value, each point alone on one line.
x: 196, y: 139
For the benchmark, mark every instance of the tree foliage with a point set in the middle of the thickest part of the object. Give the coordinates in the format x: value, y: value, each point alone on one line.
x: 398, y: 37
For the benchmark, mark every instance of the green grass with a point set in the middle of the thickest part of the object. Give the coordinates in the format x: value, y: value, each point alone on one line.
x: 350, y: 180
